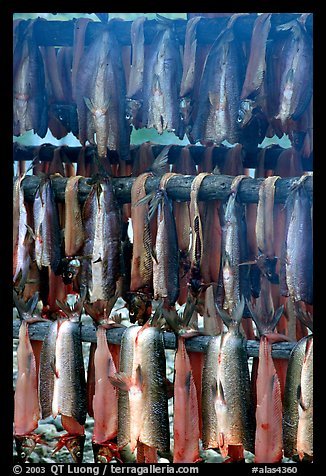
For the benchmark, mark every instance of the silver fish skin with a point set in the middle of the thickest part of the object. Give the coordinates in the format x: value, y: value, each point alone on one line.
x: 69, y: 395
x: 102, y: 225
x: 234, y: 405
x: 234, y: 249
x: 126, y: 365
x: 305, y: 424
x: 166, y: 268
x: 47, y: 370
x: 219, y: 92
x: 20, y: 245
x: 162, y: 79
x: 46, y: 228
x: 100, y: 96
x: 154, y: 430
x: 290, y: 403
x: 209, y: 384
x: 296, y: 83
x: 296, y: 273
x: 29, y: 95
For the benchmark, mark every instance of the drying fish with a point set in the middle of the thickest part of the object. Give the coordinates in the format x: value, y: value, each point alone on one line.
x: 196, y: 282
x: 29, y: 101
x: 141, y: 284
x: 47, y: 375
x: 291, y: 406
x: 233, y: 404
x: 257, y: 60
x: 295, y: 72
x: 162, y: 78
x: 145, y: 382
x: 297, y: 263
x: 69, y: 393
x: 305, y: 395
x: 27, y: 407
x: 74, y: 232
x: 234, y: 251
x: 186, y: 418
x: 154, y: 431
x: 21, y: 256
x: 100, y: 93
x: 268, y: 442
x: 209, y: 385
x: 105, y: 402
x: 219, y: 92
x: 252, y: 88
x: 185, y: 165
x: 46, y: 227
x: 102, y: 228
x: 136, y: 77
x: 128, y: 400
x: 190, y: 68
x: 166, y: 259
x: 266, y: 259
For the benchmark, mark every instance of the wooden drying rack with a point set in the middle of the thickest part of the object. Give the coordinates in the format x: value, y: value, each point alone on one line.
x: 38, y: 331
x: 61, y: 33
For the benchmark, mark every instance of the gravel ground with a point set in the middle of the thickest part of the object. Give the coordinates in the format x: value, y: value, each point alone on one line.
x: 51, y: 429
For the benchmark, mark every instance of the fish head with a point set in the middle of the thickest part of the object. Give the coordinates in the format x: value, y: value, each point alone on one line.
x: 105, y: 452
x: 75, y: 446
x: 70, y: 269
x: 245, y: 112
x: 185, y: 107
x: 140, y: 307
x: 25, y: 446
x: 131, y: 109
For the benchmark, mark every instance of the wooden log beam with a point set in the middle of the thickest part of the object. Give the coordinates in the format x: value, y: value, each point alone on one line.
x: 214, y: 187
x: 70, y: 154
x: 61, y: 33
x: 38, y: 331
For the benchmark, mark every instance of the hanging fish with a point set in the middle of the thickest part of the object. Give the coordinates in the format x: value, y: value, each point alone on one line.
x: 268, y: 442
x: 219, y: 92
x: 26, y: 401
x: 166, y: 259
x: 234, y: 251
x: 46, y: 227
x: 136, y: 77
x: 29, y: 96
x: 21, y: 236
x: 141, y: 284
x: 233, y: 404
x: 189, y: 74
x: 101, y: 219
x: 105, y: 402
x: 295, y: 72
x: 69, y: 392
x: 186, y: 418
x: 100, y: 93
x: 297, y: 263
x: 74, y: 232
x: 266, y: 259
x: 291, y: 405
x: 210, y: 436
x: 305, y: 396
x: 252, y: 90
x: 162, y: 78
x: 184, y: 165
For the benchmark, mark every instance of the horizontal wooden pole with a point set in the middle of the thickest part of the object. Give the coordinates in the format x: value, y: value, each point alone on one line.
x: 214, y: 187
x: 61, y: 33
x: 70, y: 154
x: 38, y: 331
